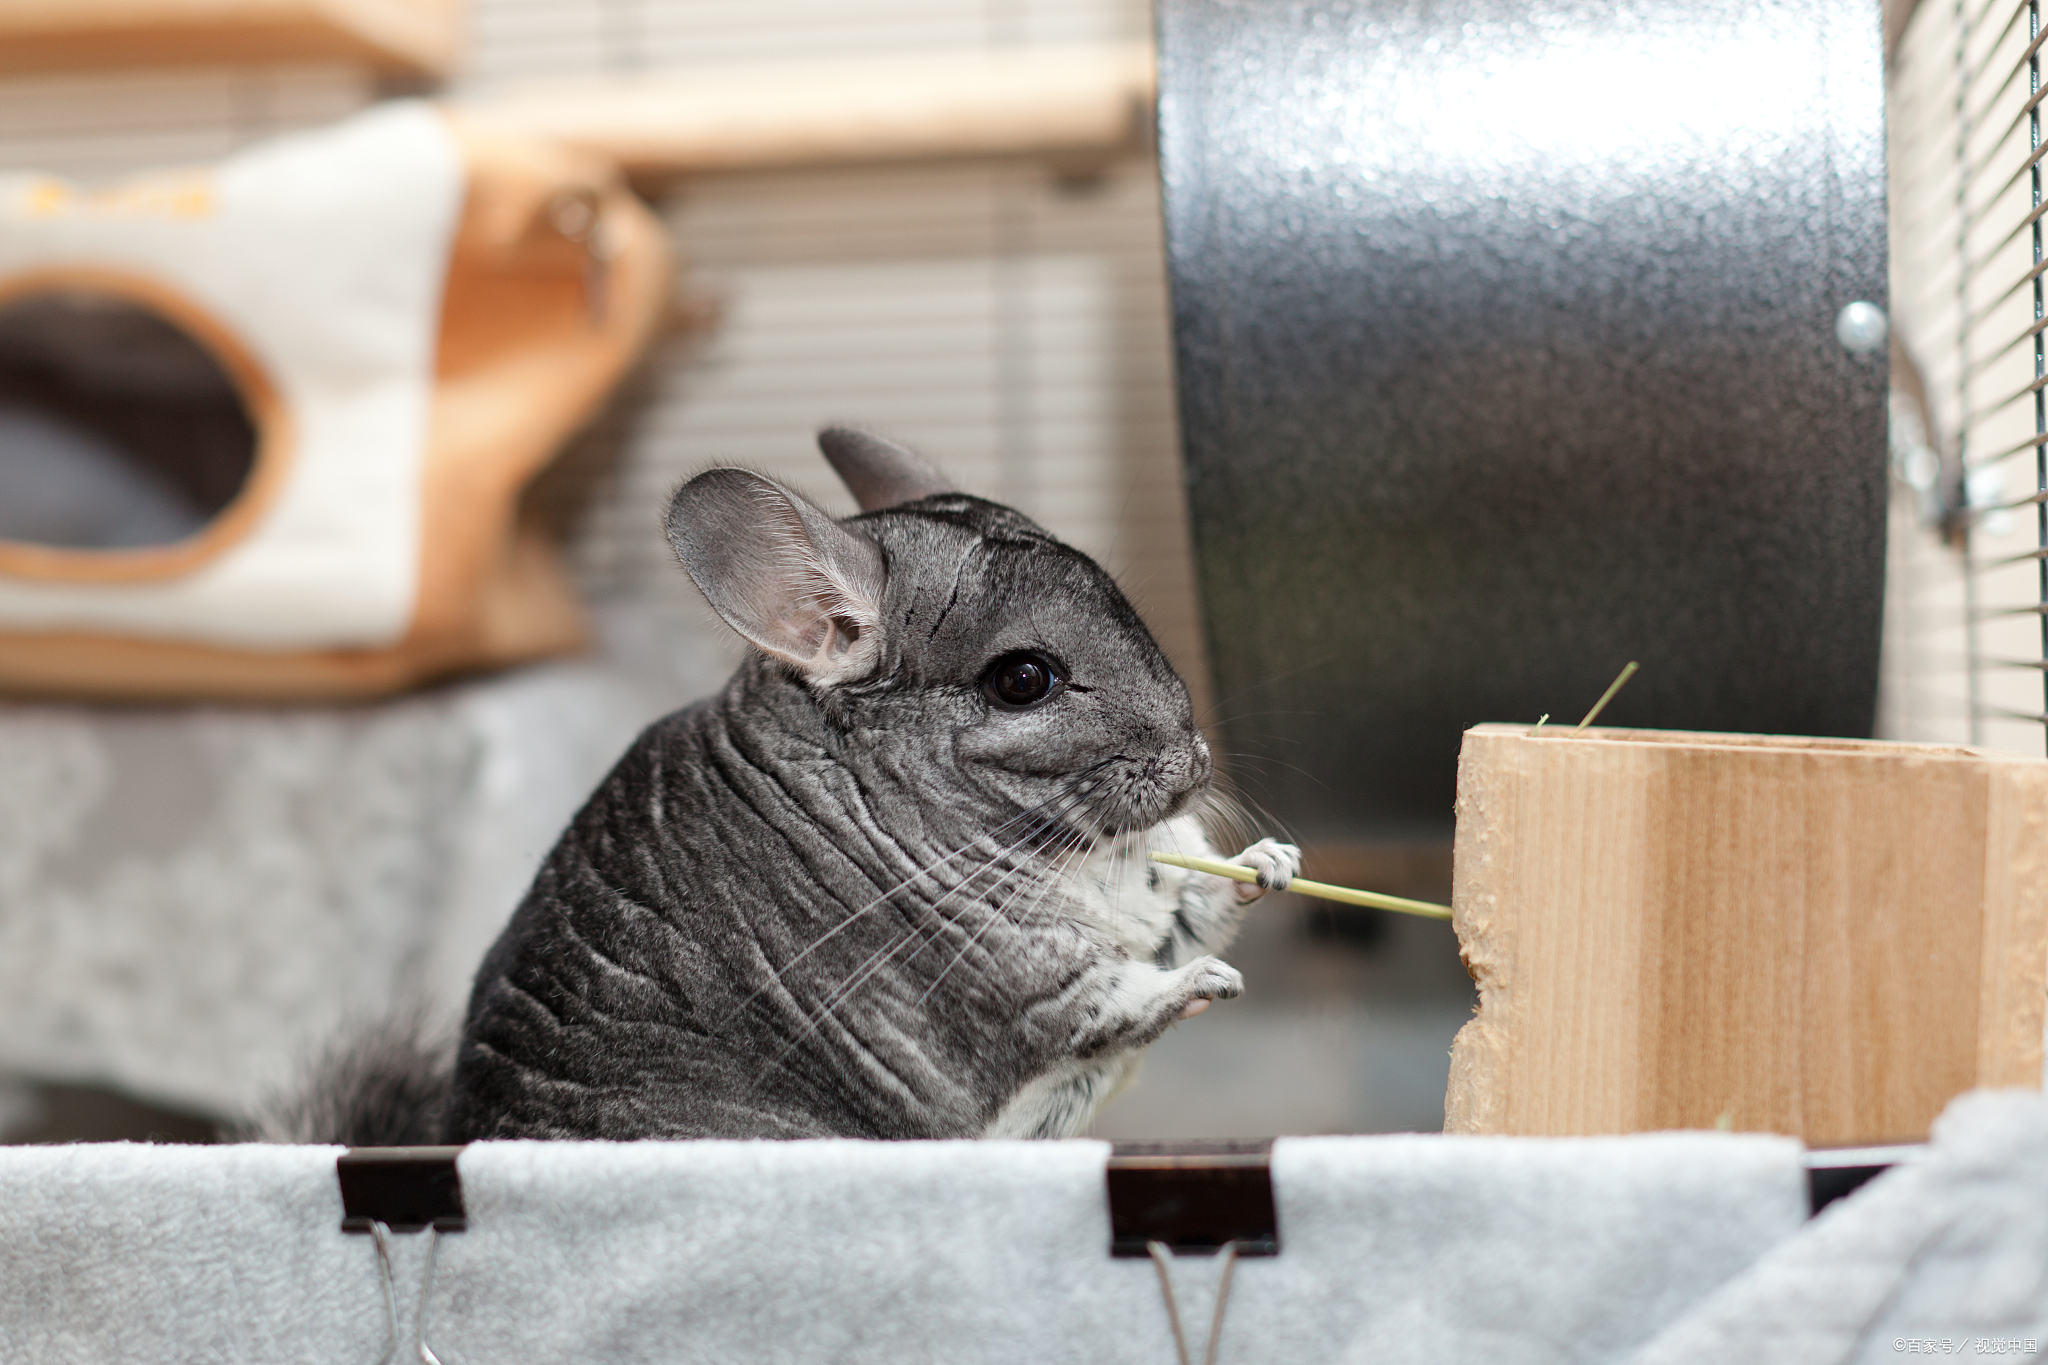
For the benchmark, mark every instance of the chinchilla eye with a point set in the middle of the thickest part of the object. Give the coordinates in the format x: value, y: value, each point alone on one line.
x: 1018, y: 680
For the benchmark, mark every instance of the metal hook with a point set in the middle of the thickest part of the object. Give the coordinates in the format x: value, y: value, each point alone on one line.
x: 419, y: 1331
x: 381, y: 1234
x: 1160, y: 1258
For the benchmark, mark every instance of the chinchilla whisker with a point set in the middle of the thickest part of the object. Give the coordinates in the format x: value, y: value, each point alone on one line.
x: 813, y: 1021
x: 1119, y: 859
x: 1240, y: 817
x: 1222, y: 702
x: 860, y: 975
x: 856, y: 978
x: 1036, y: 887
x: 993, y: 889
x: 996, y: 886
x: 1271, y: 821
x: 1270, y: 761
x: 1213, y: 811
x: 1049, y: 884
x: 1041, y: 891
x: 1061, y: 808
x: 1060, y: 871
x: 777, y: 974
x: 1227, y: 819
x: 1241, y: 716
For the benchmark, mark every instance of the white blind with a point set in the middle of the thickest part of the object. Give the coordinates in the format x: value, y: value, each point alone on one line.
x: 95, y: 125
x: 1014, y: 329
x: 1964, y: 629
x: 512, y: 40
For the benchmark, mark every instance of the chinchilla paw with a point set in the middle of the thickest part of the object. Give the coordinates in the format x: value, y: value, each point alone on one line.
x: 1211, y: 978
x: 1275, y: 862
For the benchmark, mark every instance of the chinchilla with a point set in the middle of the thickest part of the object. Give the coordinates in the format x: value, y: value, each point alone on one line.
x: 892, y: 881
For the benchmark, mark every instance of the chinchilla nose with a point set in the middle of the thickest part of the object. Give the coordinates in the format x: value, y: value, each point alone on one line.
x: 1183, y: 768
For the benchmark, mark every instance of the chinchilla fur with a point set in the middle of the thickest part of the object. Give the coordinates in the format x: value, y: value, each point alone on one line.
x: 892, y: 881
x: 383, y: 1086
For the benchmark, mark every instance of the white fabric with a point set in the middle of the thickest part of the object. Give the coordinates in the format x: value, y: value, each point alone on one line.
x: 325, y: 253
x: 193, y: 900
x: 1947, y: 1256
x: 1392, y: 1249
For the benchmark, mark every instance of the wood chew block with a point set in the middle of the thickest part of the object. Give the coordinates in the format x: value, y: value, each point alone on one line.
x: 1826, y: 938
x: 413, y: 37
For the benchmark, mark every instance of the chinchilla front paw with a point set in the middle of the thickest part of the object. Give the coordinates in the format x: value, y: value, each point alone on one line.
x: 1276, y: 863
x: 1209, y: 978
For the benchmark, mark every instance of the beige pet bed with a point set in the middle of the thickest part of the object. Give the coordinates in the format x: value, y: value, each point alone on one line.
x: 275, y: 415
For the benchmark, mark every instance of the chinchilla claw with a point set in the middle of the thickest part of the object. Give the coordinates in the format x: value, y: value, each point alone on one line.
x: 1275, y: 862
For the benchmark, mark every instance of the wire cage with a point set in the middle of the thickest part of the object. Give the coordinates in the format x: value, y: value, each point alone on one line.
x: 1966, y: 656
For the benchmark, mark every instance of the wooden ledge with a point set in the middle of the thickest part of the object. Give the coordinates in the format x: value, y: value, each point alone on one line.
x: 1059, y: 101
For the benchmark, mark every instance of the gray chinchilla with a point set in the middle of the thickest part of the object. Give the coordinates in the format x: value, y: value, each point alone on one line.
x: 891, y: 882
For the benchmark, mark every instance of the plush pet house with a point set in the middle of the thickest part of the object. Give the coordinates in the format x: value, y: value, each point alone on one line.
x: 264, y: 425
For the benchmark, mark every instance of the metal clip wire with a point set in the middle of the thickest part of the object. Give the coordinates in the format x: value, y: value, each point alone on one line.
x: 1161, y: 1256
x: 381, y: 1234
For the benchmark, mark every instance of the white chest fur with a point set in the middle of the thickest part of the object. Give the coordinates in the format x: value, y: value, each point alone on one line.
x: 1161, y: 916
x: 1135, y: 900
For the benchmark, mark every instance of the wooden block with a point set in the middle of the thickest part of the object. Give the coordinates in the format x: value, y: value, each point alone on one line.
x: 414, y: 37
x: 1826, y: 938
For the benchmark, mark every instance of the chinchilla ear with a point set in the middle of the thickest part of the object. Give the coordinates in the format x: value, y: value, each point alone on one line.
x: 783, y: 574
x: 878, y: 472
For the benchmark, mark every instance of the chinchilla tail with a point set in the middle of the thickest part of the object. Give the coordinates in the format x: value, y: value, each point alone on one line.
x: 382, y: 1086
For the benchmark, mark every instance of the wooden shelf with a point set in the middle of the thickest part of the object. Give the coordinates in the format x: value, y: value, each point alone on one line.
x: 413, y: 37
x: 1081, y: 102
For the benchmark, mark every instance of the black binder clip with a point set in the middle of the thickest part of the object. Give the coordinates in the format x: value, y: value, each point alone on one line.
x: 1837, y: 1172
x: 387, y: 1190
x: 407, y: 1189
x: 1192, y: 1198
x: 1195, y: 1198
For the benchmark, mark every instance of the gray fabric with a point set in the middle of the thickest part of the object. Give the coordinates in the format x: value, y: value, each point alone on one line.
x: 192, y: 900
x: 1393, y: 1250
x: 61, y: 484
x: 1946, y: 1256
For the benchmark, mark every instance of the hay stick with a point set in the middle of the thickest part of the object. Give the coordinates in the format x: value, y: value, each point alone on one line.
x: 1608, y: 695
x: 1427, y: 909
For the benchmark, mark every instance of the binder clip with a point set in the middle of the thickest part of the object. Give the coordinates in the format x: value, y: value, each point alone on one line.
x: 1836, y: 1172
x: 387, y: 1190
x: 1197, y: 1198
x: 1193, y: 1197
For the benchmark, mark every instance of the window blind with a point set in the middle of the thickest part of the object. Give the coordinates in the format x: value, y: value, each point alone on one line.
x: 1967, y: 627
